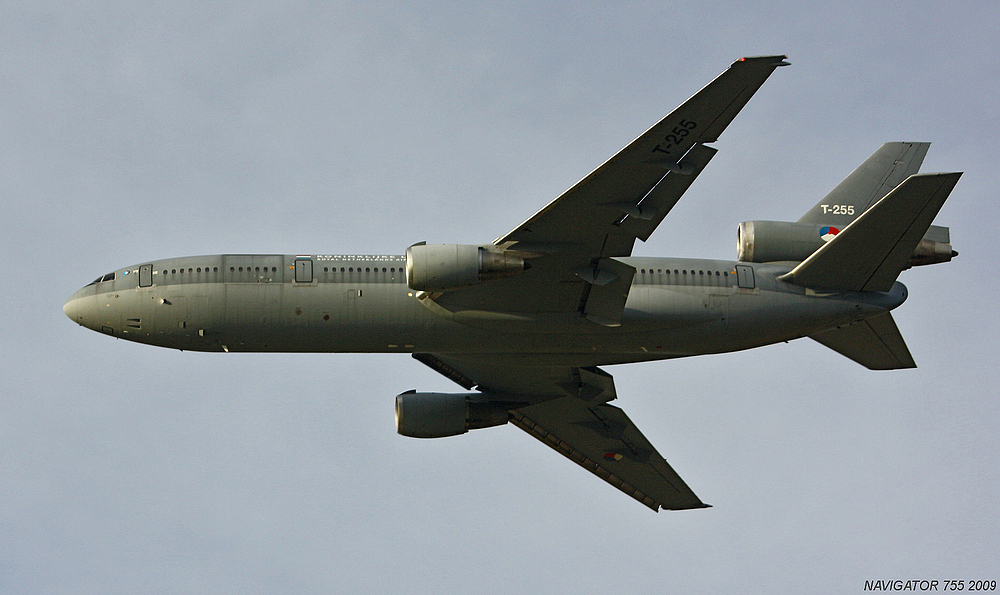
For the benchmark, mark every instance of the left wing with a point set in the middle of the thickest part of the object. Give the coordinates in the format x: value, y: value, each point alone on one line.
x: 566, y: 408
x: 570, y: 244
x: 628, y: 196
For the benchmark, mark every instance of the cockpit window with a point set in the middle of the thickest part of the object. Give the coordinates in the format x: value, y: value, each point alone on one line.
x: 108, y: 277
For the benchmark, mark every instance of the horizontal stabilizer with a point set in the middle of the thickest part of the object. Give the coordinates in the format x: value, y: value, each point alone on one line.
x: 874, y: 343
x: 870, y: 253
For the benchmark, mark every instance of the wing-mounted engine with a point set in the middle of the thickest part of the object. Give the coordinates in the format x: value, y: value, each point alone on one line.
x: 440, y: 267
x: 772, y: 241
x: 437, y: 415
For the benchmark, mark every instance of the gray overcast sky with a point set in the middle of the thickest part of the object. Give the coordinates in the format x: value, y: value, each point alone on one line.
x: 137, y: 131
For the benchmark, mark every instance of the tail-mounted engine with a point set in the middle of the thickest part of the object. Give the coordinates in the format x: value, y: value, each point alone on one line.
x: 771, y: 241
x: 439, y: 267
x: 436, y: 415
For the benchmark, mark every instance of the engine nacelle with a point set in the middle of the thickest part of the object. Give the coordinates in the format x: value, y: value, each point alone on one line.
x: 439, y: 267
x: 436, y: 415
x: 770, y: 241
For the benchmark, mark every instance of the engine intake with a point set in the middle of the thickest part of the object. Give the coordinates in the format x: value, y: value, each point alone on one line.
x: 439, y: 267
x: 436, y: 415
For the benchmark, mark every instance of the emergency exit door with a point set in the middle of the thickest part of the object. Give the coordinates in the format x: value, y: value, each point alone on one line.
x: 145, y: 275
x: 744, y: 276
x: 303, y: 270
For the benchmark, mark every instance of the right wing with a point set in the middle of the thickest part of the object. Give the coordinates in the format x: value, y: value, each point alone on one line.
x: 566, y: 408
x: 603, y: 440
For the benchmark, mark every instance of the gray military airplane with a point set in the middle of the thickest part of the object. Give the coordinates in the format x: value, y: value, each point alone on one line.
x: 523, y: 323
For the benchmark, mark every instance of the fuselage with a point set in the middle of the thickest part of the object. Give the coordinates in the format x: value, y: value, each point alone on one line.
x: 287, y: 303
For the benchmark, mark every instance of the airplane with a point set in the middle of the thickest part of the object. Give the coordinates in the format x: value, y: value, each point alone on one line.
x: 523, y: 324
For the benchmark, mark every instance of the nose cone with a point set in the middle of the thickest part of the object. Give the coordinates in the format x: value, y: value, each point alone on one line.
x: 80, y: 308
x: 72, y: 309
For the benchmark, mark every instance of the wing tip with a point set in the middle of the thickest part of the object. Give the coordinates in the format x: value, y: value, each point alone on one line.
x: 777, y: 60
x: 699, y: 505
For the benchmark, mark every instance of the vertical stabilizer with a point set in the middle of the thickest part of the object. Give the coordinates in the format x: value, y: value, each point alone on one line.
x: 871, y: 251
x: 877, y: 176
